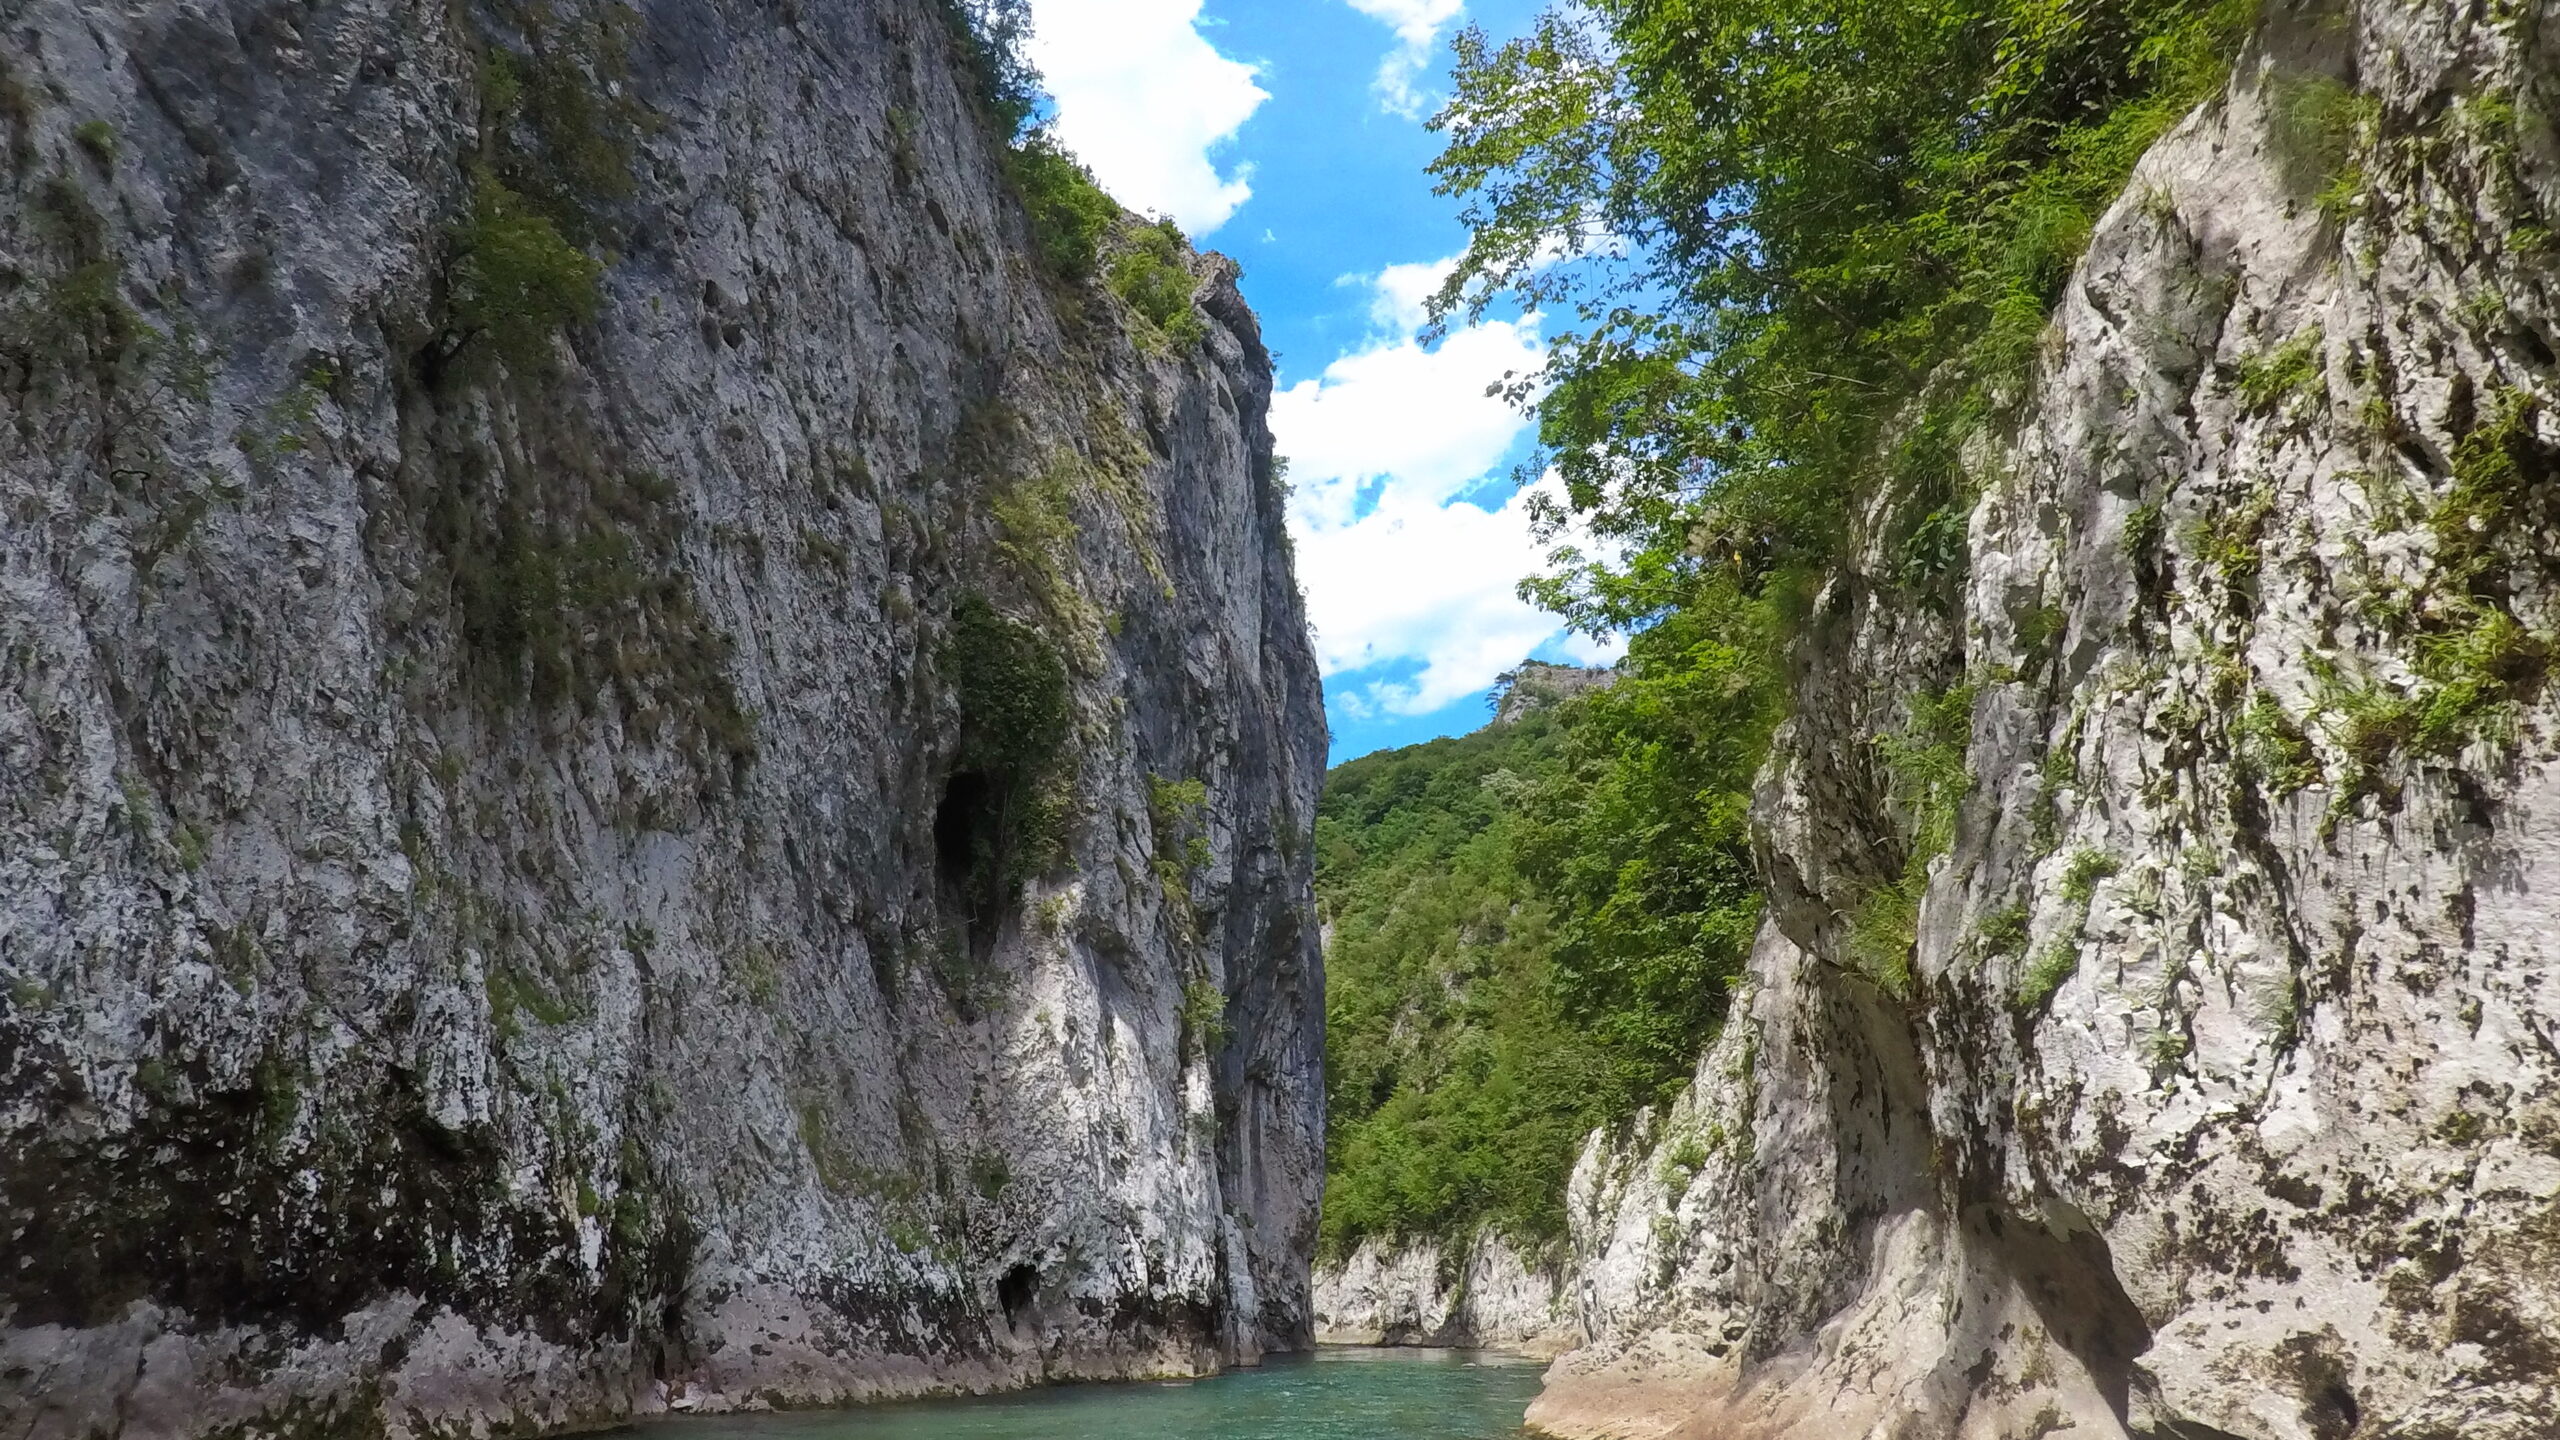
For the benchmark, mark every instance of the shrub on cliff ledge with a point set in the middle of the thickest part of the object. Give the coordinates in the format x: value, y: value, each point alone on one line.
x: 516, y: 279
x: 1069, y: 212
x: 1006, y: 810
x: 1150, y: 275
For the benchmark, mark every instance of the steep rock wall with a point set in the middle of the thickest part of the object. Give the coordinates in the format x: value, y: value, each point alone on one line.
x: 2220, y: 1099
x: 1480, y: 1292
x: 746, y: 847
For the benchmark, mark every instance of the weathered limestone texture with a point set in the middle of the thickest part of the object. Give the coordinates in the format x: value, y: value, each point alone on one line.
x: 2223, y: 1097
x: 1484, y: 1294
x: 742, y: 843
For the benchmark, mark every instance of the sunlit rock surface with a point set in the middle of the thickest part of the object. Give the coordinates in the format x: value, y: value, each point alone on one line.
x: 497, y: 926
x: 2221, y: 1101
x: 1480, y: 1292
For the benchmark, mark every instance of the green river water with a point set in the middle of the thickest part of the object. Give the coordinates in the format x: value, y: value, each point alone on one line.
x: 1334, y: 1394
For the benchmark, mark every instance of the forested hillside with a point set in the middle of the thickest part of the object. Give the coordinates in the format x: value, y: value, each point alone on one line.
x: 1447, y: 1065
x: 1532, y: 929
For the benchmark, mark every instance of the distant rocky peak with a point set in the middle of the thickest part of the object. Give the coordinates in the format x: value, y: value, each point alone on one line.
x: 1538, y: 684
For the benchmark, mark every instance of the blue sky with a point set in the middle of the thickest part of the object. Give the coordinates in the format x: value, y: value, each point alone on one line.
x: 1289, y: 134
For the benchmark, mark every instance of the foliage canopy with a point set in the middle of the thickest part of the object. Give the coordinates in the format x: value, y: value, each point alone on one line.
x: 1533, y: 932
x: 1816, y: 242
x: 1804, y: 251
x: 516, y: 279
x: 1069, y: 212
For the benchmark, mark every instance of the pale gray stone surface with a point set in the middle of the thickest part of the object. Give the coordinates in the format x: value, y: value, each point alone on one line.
x: 1482, y: 1292
x: 2278, y: 1155
x: 474, y: 944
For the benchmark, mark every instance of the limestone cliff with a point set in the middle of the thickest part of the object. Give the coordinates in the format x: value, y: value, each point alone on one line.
x: 1479, y: 1292
x: 2221, y: 1097
x: 645, y: 761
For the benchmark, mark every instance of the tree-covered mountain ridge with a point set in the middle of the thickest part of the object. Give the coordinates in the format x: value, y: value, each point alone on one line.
x: 1497, y: 983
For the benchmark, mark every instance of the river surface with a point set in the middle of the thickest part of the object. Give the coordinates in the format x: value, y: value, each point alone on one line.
x: 1334, y: 1394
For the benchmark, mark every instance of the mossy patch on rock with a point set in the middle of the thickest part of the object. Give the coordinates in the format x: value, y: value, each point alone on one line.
x: 1008, y: 805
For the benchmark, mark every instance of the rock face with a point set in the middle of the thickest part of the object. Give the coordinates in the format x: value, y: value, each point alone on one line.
x: 1486, y: 1294
x: 1537, y: 685
x: 730, y: 834
x: 2222, y: 1098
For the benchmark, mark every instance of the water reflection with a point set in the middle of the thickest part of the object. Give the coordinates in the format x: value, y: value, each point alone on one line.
x: 1335, y: 1394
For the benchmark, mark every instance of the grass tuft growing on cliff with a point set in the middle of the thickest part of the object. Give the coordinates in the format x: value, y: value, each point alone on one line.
x: 2475, y: 663
x: 2291, y: 373
x: 2057, y: 963
x: 1929, y: 780
x: 97, y: 139
x: 2315, y: 125
x: 1174, y: 809
x: 2273, y: 749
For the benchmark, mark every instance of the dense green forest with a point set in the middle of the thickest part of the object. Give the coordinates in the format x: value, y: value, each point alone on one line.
x: 1810, y: 246
x: 1532, y: 931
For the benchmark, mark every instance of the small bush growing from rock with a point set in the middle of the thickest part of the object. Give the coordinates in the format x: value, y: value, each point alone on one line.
x: 2293, y: 371
x: 1150, y: 275
x: 1069, y: 212
x: 2080, y: 878
x: 516, y: 279
x: 98, y: 138
x: 1204, y: 1013
x: 1011, y: 801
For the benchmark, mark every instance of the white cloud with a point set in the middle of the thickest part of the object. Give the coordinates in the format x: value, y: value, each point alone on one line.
x: 1143, y: 99
x: 1395, y: 567
x: 1403, y: 291
x: 1417, y: 24
x: 1415, y: 420
x: 1434, y: 583
x: 1583, y: 649
x: 1394, y: 412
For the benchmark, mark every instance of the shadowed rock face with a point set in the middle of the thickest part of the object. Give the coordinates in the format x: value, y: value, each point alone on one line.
x: 2222, y: 1098
x: 561, y: 861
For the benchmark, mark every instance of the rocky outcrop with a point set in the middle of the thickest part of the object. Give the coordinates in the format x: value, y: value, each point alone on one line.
x: 2220, y: 1097
x: 641, y: 766
x: 1484, y: 1293
x: 1538, y: 685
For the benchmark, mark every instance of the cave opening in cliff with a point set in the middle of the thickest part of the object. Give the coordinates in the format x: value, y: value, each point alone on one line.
x: 969, y: 851
x: 1014, y: 1291
x: 963, y: 826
